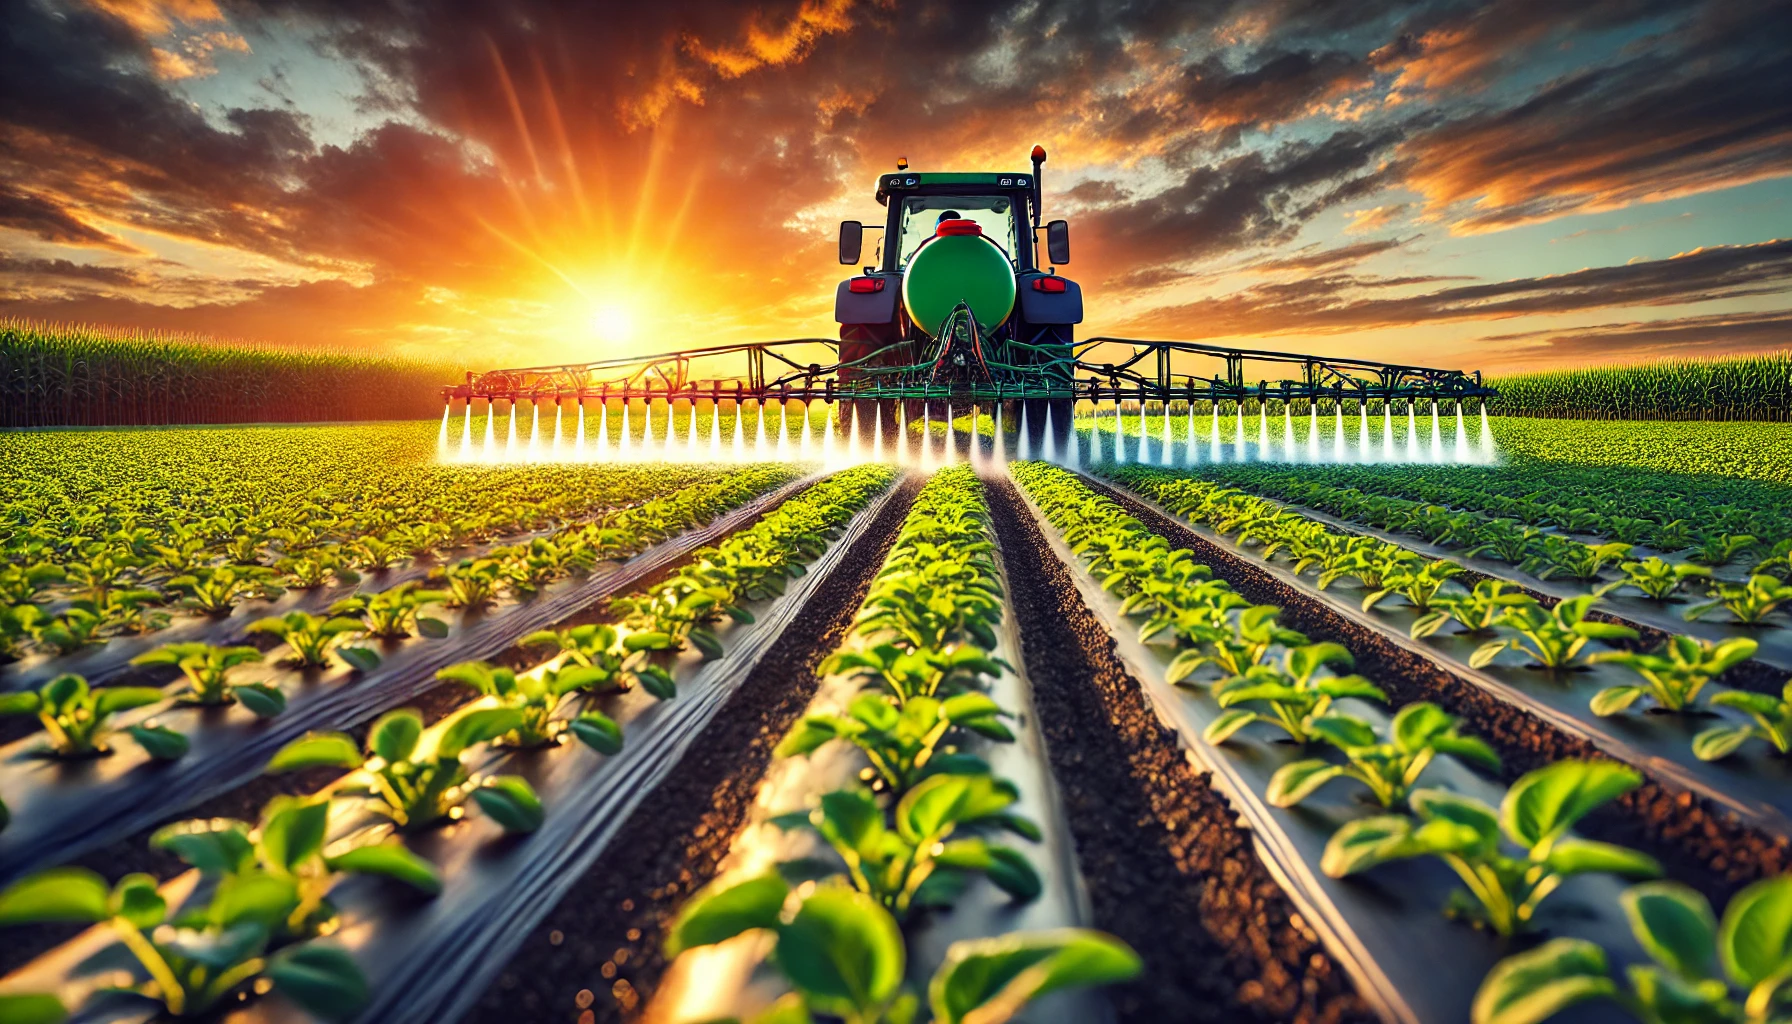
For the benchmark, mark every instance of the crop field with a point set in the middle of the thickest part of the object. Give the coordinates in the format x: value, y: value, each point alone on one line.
x: 761, y: 716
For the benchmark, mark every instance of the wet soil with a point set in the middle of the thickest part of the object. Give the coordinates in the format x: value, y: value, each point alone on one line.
x: 1167, y: 867
x: 1698, y: 843
x: 597, y: 955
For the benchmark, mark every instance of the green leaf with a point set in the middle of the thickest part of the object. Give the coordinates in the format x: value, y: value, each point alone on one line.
x: 215, y: 846
x: 1343, y: 731
x: 159, y: 743
x: 262, y: 699
x: 1720, y: 741
x: 1485, y: 653
x: 322, y: 980
x: 254, y: 897
x: 1351, y: 686
x: 1294, y: 782
x: 720, y: 913
x: 598, y: 731
x: 1362, y: 844
x: 1443, y: 805
x: 510, y: 801
x: 136, y: 900
x: 32, y: 1008
x: 1547, y: 802
x: 1755, y: 940
x: 843, y: 951
x: 1416, y: 725
x: 1614, y: 699
x: 317, y: 749
x: 1221, y: 729
x: 112, y: 699
x: 362, y: 659
x: 807, y: 737
x: 1013, y: 873
x: 995, y: 978
x: 657, y: 681
x: 1533, y: 986
x: 1571, y: 856
x: 433, y: 628
x: 59, y: 894
x: 475, y: 726
x: 19, y: 703
x: 395, y: 735
x: 392, y: 860
x: 1674, y: 924
x: 294, y: 832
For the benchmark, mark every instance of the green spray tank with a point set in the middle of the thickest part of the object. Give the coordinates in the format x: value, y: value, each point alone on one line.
x: 958, y: 265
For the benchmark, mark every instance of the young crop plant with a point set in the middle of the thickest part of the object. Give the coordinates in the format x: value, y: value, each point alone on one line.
x: 1703, y: 971
x: 595, y: 646
x: 74, y: 717
x: 1420, y: 732
x: 1772, y: 721
x: 207, y: 671
x: 200, y: 957
x: 1659, y: 580
x: 417, y: 784
x: 1293, y: 695
x: 906, y: 675
x: 1235, y: 648
x: 1777, y: 564
x: 1674, y: 677
x: 1750, y: 602
x: 939, y: 841
x: 1505, y: 540
x: 313, y: 567
x: 395, y: 613
x: 1502, y: 891
x: 1478, y: 611
x: 538, y: 697
x: 1554, y: 636
x: 23, y: 584
x: 311, y: 638
x: 289, y: 844
x: 1717, y: 549
x: 472, y: 582
x: 843, y: 956
x: 1559, y: 556
x: 18, y: 624
x: 903, y: 742
x: 216, y: 590
x: 1419, y: 584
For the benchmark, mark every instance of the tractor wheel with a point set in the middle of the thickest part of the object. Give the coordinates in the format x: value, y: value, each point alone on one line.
x: 858, y: 341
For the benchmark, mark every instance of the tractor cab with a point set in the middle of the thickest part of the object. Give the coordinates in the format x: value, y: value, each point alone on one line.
x: 959, y: 285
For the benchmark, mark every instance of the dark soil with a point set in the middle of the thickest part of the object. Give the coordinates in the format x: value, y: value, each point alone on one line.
x: 597, y: 955
x: 1167, y: 867
x: 1699, y: 844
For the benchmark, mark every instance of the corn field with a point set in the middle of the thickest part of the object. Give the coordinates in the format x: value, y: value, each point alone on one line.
x: 62, y: 375
x: 1741, y: 388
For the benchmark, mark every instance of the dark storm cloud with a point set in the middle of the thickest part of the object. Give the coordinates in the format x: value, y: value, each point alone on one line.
x: 11, y: 266
x: 1331, y: 303
x: 50, y: 221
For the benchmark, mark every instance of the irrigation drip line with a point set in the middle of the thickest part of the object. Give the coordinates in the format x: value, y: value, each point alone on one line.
x: 1386, y: 928
x: 62, y: 811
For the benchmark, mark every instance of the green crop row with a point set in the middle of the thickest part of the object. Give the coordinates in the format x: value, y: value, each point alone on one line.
x: 1757, y: 387
x: 911, y: 840
x: 270, y: 890
x: 65, y: 375
x: 1510, y: 858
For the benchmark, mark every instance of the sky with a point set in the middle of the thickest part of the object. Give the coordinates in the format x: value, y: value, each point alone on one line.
x: 1500, y: 185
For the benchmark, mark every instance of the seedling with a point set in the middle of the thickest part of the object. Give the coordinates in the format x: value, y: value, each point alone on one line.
x: 216, y: 590
x: 205, y: 953
x: 1293, y: 693
x: 1418, y: 584
x: 473, y: 583
x: 396, y: 612
x: 923, y: 673
x: 289, y: 844
x: 313, y: 567
x: 1505, y: 540
x: 1673, y: 924
x: 1236, y: 651
x: 21, y: 584
x: 537, y: 696
x: 310, y: 637
x: 1503, y: 891
x: 18, y: 623
x: 901, y: 742
x: 1420, y: 732
x: 1555, y: 636
x: 1659, y: 580
x: 1722, y: 548
x: 1750, y: 602
x: 417, y: 786
x: 1673, y: 677
x: 919, y: 863
x: 1778, y: 562
x: 1560, y: 557
x: 843, y: 955
x: 207, y: 667
x: 74, y: 717
x: 1772, y: 722
x: 1478, y: 611
x: 594, y: 646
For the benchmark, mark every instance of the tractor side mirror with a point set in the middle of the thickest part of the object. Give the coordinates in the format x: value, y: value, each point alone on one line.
x: 1057, y: 242
x: 852, y: 239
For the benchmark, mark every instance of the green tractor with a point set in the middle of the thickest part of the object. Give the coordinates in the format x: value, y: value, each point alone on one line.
x: 957, y: 298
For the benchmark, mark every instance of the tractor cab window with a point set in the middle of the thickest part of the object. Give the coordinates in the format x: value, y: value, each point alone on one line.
x: 921, y: 214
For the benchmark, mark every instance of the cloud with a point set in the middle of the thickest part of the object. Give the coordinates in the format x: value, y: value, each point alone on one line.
x: 1315, y: 258
x: 1375, y: 218
x: 1705, y: 335
x: 52, y: 222
x: 15, y: 268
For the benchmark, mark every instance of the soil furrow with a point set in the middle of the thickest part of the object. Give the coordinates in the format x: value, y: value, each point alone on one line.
x: 1167, y: 867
